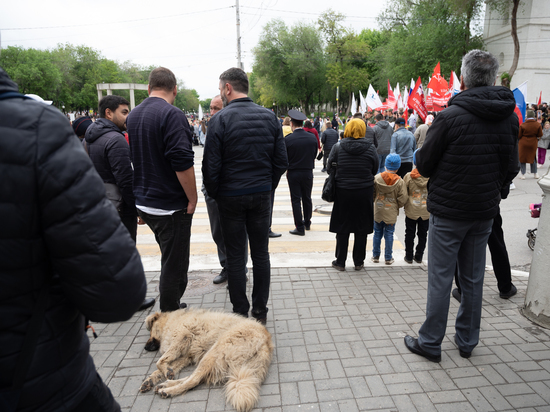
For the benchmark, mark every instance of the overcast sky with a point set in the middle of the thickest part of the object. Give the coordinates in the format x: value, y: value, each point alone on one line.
x: 196, y: 40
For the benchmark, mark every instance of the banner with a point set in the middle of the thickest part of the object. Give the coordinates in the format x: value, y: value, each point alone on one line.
x: 521, y: 107
x: 416, y: 100
x: 437, y: 89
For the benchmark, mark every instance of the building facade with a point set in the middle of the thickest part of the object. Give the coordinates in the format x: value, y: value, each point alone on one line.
x: 533, y: 25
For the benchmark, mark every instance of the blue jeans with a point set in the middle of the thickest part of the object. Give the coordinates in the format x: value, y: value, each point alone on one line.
x: 382, y: 163
x: 452, y: 243
x: 383, y: 229
x: 239, y: 216
x: 173, y: 234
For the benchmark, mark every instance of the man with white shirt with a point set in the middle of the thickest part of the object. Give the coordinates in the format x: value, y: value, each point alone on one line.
x: 161, y: 145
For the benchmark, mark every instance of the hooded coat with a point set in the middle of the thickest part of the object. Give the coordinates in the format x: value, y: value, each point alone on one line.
x: 110, y: 154
x: 384, y: 132
x: 390, y: 194
x: 470, y: 154
x: 58, y: 224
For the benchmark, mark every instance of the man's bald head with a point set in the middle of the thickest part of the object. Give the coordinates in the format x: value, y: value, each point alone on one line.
x: 216, y: 105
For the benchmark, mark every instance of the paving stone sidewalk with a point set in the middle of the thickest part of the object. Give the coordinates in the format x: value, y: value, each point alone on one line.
x: 339, y: 347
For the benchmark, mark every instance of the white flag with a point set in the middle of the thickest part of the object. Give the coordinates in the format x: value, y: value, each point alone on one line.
x: 405, y: 97
x: 353, y: 104
x: 200, y: 112
x: 373, y: 100
x: 397, y: 94
x: 363, y: 103
x: 456, y: 85
x: 523, y: 88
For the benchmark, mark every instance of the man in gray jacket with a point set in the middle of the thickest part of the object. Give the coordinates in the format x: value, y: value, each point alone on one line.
x: 383, y: 132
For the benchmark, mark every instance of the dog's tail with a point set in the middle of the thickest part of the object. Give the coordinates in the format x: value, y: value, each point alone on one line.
x: 242, y: 390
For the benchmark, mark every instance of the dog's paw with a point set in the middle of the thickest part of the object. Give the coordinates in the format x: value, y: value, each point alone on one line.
x: 170, y: 373
x: 147, y: 385
x: 163, y: 394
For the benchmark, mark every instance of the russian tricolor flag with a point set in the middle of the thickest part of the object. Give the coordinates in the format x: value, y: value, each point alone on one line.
x: 521, y: 106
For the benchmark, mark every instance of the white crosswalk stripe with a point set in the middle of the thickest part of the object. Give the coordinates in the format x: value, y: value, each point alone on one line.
x: 314, y: 249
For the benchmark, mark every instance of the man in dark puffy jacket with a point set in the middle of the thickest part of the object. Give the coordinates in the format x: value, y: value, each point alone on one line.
x: 57, y: 225
x: 328, y: 139
x: 244, y: 158
x: 469, y: 153
x: 110, y: 155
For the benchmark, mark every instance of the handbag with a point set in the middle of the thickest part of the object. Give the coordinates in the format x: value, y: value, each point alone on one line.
x: 320, y: 155
x: 329, y: 187
x: 113, y: 194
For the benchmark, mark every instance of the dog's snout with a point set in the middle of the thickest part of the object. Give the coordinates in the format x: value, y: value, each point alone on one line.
x: 152, y: 344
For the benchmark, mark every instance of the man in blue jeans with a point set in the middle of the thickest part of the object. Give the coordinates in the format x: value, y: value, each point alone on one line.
x: 467, y: 155
x: 161, y: 145
x: 244, y: 158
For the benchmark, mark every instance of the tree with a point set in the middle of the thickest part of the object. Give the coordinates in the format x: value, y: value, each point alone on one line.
x: 289, y: 65
x: 422, y: 33
x: 32, y: 70
x: 346, y: 54
x: 187, y: 99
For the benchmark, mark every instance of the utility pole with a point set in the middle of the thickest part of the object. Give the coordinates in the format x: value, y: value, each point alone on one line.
x: 239, y: 62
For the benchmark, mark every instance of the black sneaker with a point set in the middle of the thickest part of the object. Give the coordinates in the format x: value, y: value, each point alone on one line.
x: 221, y: 278
x: 409, y: 261
x: 337, y: 266
x: 512, y: 292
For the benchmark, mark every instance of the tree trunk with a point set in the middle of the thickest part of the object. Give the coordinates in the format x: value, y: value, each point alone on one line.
x: 515, y: 37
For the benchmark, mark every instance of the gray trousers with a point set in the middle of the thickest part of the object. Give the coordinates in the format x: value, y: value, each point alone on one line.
x: 452, y: 243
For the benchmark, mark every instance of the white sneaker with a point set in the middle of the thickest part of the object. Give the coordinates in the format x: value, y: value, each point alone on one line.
x: 536, y: 176
x: 512, y: 186
x: 522, y: 177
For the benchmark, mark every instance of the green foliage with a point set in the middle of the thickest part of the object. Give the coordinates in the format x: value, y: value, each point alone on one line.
x: 419, y: 36
x: 289, y: 65
x: 68, y: 75
x: 186, y: 99
x: 205, y: 105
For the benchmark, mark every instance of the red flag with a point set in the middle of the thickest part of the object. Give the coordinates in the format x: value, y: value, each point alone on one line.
x: 438, y: 95
x: 540, y: 99
x: 416, y: 100
x: 392, y: 102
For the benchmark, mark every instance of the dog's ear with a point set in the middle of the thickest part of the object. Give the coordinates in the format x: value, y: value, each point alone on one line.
x: 151, y: 319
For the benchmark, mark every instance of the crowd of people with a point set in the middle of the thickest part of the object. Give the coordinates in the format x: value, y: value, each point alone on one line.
x: 70, y: 236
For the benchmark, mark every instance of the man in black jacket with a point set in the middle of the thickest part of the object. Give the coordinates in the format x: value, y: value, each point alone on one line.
x: 301, y: 149
x: 110, y: 155
x: 244, y: 158
x: 60, y: 235
x: 469, y: 153
x: 328, y: 138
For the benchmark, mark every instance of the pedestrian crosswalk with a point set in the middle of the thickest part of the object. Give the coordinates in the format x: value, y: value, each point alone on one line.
x: 314, y: 249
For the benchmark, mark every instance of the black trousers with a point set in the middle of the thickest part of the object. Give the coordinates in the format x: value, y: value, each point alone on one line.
x: 405, y: 168
x: 300, y: 183
x: 359, y: 248
x: 499, y: 256
x: 420, y: 228
x: 173, y: 234
x: 241, y: 216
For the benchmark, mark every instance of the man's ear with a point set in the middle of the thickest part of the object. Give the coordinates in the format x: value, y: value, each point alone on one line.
x: 462, y: 85
x: 175, y: 91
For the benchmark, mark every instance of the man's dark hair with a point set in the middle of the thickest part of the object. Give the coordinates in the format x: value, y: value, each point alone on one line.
x: 308, y: 124
x: 410, y: 111
x: 237, y: 78
x: 357, y: 116
x: 379, y: 117
x: 111, y: 102
x: 162, y: 78
x: 297, y: 123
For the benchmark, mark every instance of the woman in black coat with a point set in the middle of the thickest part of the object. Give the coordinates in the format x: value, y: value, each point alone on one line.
x: 356, y: 163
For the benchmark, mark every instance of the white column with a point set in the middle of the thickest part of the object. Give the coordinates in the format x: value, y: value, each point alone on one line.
x: 537, y: 297
x: 109, y: 92
x: 132, y: 99
x: 99, y: 95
